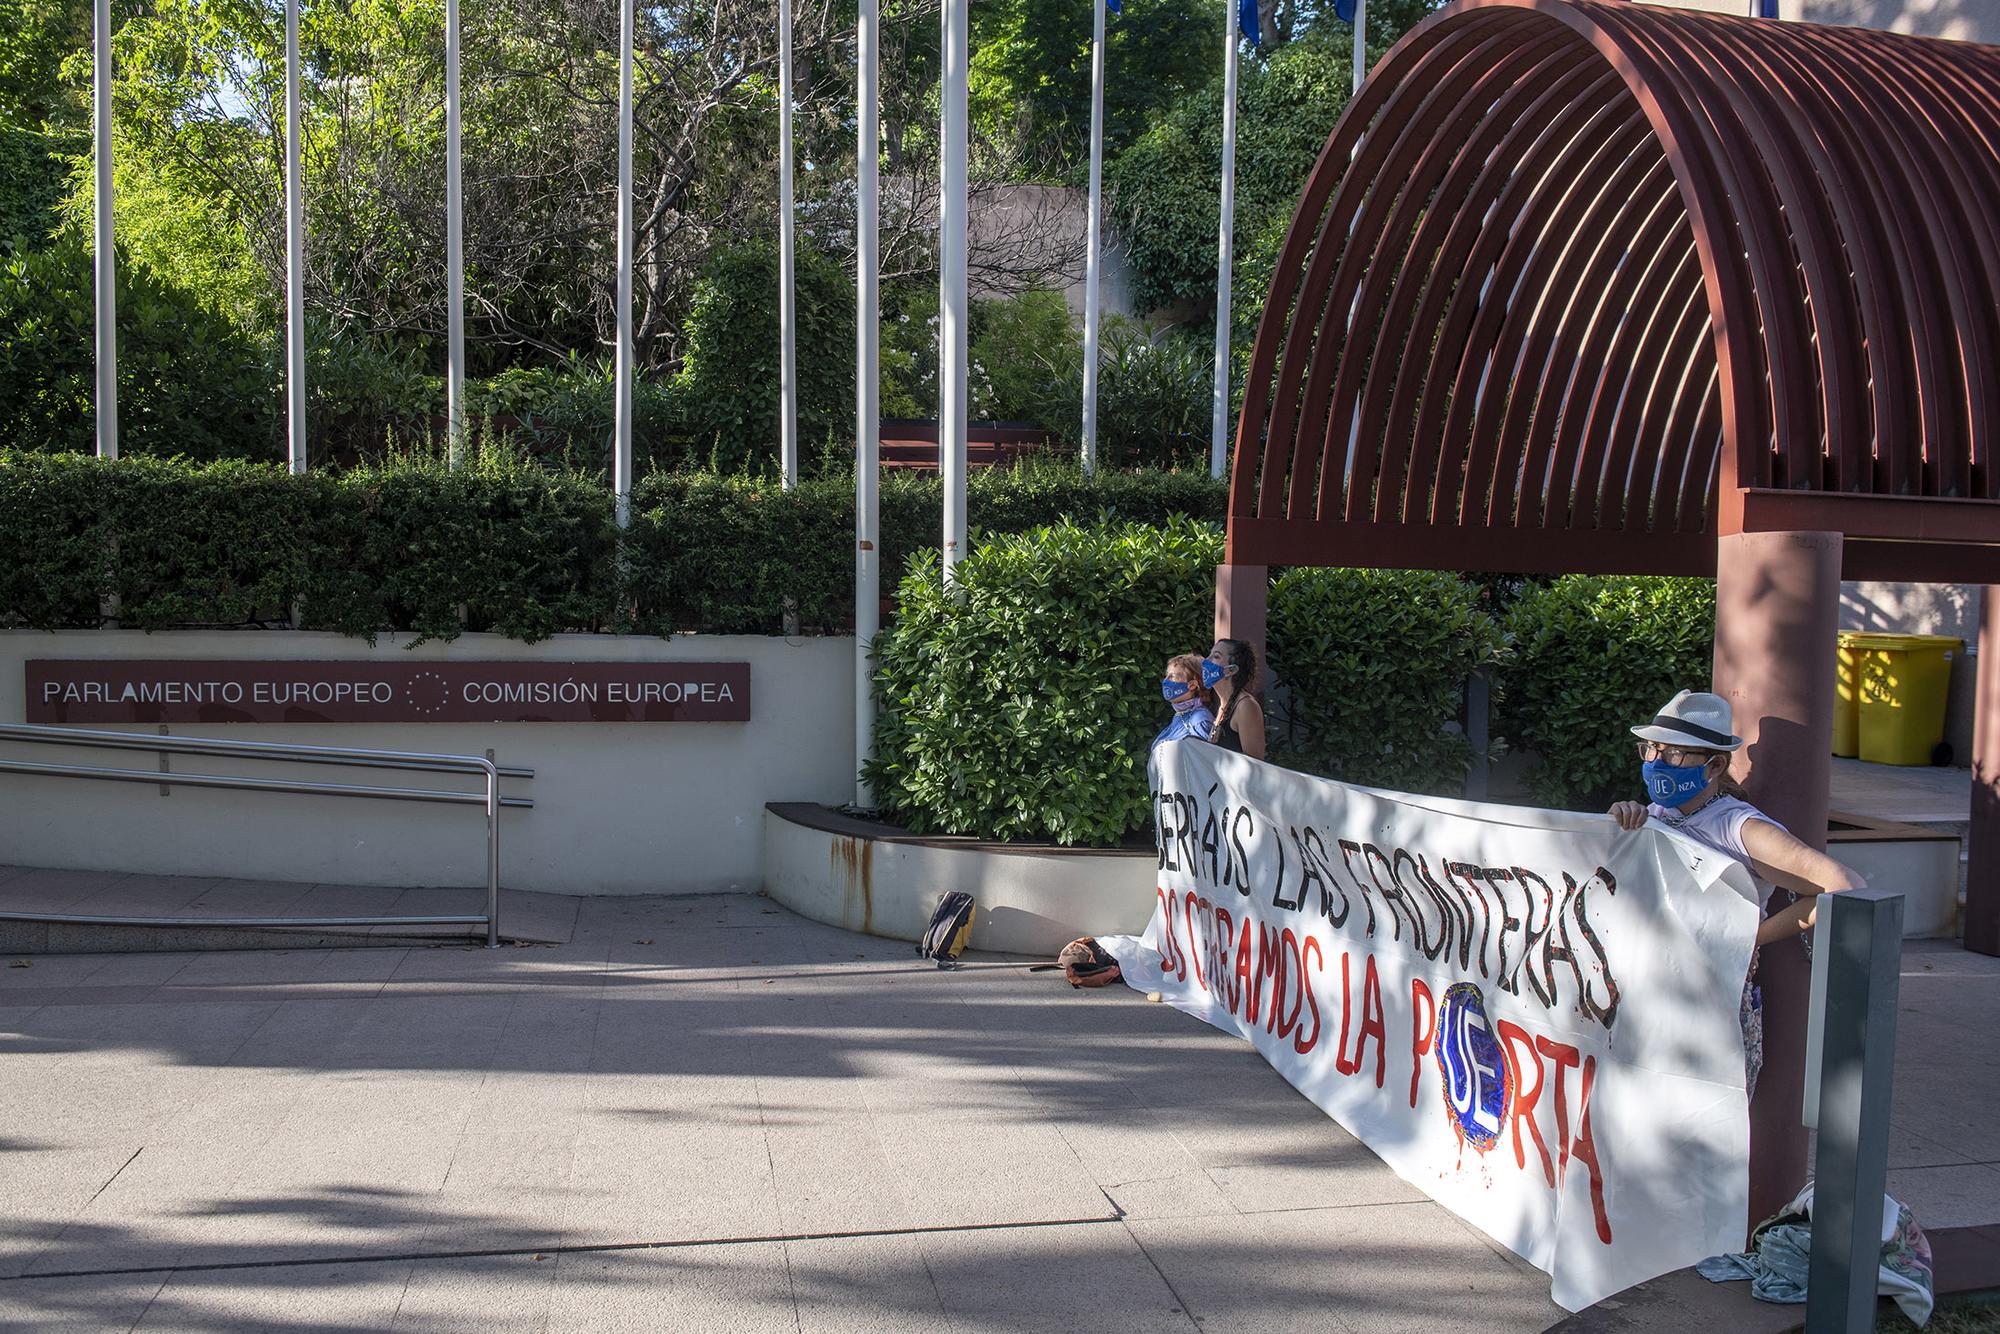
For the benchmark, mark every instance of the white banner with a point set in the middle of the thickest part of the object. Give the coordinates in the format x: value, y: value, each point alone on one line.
x: 1532, y: 1016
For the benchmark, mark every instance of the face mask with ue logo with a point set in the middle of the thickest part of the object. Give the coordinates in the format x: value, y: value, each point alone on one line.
x: 1674, y: 785
x: 1180, y: 694
x: 1211, y: 672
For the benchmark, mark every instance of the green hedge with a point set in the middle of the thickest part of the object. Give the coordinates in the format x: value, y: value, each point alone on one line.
x: 503, y: 546
x: 1591, y: 656
x: 1022, y: 705
x: 1374, y: 664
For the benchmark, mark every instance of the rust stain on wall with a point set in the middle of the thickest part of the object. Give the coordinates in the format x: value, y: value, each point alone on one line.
x: 853, y: 865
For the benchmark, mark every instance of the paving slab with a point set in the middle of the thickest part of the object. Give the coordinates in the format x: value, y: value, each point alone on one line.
x: 708, y: 1113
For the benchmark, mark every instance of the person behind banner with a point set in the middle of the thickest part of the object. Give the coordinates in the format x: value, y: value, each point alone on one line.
x: 1684, y: 757
x: 1194, y: 705
x: 1231, y: 671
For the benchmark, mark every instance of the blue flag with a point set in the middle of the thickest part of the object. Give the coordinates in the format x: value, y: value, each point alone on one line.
x: 1345, y: 9
x: 1113, y: 6
x: 1246, y: 19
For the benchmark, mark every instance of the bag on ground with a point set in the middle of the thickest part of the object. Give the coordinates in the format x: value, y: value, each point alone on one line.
x: 951, y: 926
x: 1085, y: 963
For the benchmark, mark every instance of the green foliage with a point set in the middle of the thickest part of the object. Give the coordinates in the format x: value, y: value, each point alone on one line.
x: 729, y: 384
x: 31, y: 185
x: 503, y: 545
x: 1022, y: 704
x: 36, y: 36
x: 1154, y: 398
x: 188, y: 381
x: 1030, y: 79
x: 1163, y: 189
x: 1014, y: 342
x: 1374, y: 664
x: 1592, y: 656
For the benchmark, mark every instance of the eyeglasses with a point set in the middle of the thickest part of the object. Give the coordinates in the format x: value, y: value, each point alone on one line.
x: 1654, y: 750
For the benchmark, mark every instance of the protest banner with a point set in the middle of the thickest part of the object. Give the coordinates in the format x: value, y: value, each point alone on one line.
x: 1532, y: 1016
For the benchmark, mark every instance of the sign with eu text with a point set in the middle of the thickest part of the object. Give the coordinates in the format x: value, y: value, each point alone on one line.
x: 1532, y: 1016
x: 170, y: 690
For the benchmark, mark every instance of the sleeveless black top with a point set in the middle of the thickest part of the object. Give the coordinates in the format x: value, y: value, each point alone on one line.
x: 1224, y: 734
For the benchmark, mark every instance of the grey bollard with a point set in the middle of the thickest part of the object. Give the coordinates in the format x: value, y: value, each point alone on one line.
x: 1851, y: 1058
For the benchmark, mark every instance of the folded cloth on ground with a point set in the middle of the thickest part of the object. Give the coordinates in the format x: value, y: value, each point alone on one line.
x: 1781, y: 1250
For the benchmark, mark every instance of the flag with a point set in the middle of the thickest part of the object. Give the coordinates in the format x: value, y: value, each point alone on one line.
x: 1113, y: 6
x: 1345, y: 9
x: 1246, y: 19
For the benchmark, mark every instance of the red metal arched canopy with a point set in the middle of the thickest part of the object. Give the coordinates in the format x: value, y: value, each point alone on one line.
x: 1580, y: 285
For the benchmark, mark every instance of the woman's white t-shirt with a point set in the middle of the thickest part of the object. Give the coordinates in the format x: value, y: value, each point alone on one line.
x: 1718, y: 825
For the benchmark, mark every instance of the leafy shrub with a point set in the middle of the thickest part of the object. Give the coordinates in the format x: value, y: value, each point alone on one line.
x: 565, y: 415
x: 1374, y: 663
x: 55, y: 561
x: 232, y: 552
x: 729, y: 384
x: 1153, y: 398
x: 1592, y: 656
x: 730, y: 555
x: 1021, y: 705
x: 32, y: 185
x: 188, y: 381
x: 1014, y: 340
x: 500, y: 546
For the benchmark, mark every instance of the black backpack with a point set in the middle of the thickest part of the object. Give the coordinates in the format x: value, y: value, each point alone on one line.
x: 951, y: 925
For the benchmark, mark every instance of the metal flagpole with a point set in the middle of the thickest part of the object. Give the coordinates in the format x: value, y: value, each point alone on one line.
x: 788, y: 376
x: 295, y: 251
x: 1094, y: 246
x: 1360, y: 43
x: 454, y: 212
x: 952, y: 308
x: 868, y: 385
x: 621, y: 444
x: 1218, y: 425
x: 107, y: 257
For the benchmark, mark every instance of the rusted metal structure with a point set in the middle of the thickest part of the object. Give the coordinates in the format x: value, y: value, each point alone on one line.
x: 1591, y: 286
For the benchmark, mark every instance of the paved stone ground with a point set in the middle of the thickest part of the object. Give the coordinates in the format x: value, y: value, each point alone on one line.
x: 705, y: 1111
x: 762, y: 1122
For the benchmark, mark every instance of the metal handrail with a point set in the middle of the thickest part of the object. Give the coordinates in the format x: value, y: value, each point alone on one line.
x: 266, y: 750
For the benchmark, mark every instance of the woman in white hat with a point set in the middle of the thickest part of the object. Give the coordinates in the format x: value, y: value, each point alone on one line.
x: 1685, y: 754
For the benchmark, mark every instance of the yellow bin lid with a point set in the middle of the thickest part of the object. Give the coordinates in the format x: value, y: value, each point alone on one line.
x: 1861, y: 640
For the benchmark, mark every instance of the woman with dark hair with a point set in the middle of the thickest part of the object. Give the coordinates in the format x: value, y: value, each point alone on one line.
x: 1231, y: 671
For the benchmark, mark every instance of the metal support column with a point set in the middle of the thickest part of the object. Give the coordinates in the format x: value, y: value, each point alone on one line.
x: 1982, y: 867
x: 621, y: 443
x: 867, y: 382
x: 1094, y: 243
x: 454, y: 241
x: 295, y: 251
x: 788, y: 320
x: 953, y: 410
x: 1857, y: 957
x: 107, y: 254
x: 1218, y: 424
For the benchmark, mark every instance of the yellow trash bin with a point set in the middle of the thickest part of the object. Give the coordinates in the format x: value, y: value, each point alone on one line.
x: 1847, y: 695
x: 1905, y: 682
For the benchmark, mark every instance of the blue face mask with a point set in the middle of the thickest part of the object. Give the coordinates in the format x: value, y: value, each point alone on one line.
x: 1211, y: 672
x: 1674, y: 785
x: 1172, y: 690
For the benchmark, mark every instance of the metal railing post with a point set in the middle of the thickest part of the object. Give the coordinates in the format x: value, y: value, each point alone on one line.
x: 492, y: 855
x: 1858, y: 949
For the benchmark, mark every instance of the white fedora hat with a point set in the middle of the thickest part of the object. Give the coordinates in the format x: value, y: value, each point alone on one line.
x: 1693, y: 719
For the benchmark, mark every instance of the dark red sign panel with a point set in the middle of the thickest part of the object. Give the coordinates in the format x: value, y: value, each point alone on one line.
x: 117, y: 690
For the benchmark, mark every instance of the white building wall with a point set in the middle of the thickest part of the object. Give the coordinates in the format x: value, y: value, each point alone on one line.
x: 1961, y: 20
x: 620, y: 808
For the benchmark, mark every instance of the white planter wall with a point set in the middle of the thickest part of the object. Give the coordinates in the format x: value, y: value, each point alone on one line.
x: 620, y: 808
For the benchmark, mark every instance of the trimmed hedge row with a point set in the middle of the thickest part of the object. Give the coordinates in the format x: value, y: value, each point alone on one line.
x: 504, y: 546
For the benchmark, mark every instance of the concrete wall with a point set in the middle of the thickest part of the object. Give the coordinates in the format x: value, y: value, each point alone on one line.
x: 620, y: 808
x: 1926, y: 609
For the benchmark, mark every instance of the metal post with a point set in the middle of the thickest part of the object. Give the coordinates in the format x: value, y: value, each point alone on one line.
x: 621, y: 445
x: 1360, y: 44
x: 1982, y: 844
x: 1218, y: 425
x: 868, y: 383
x: 788, y: 367
x: 1094, y: 251
x: 952, y: 302
x: 492, y: 855
x: 1861, y: 934
x: 454, y: 212
x: 107, y: 255
x: 1478, y: 731
x: 295, y: 251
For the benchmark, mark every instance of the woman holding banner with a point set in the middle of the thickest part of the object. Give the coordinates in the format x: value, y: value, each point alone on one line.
x: 1684, y: 753
x: 1231, y: 671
